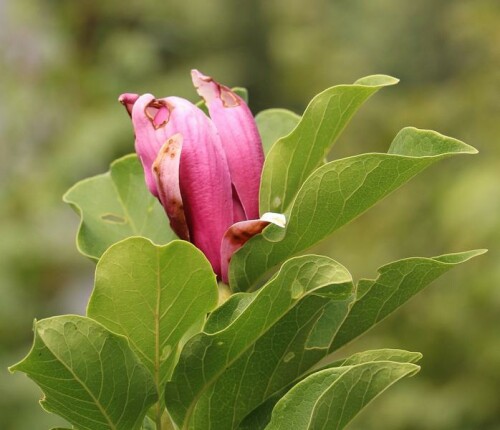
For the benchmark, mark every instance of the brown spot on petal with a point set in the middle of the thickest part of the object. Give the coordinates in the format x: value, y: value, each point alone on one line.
x: 229, y: 99
x: 227, y: 96
x: 235, y: 237
x: 240, y: 235
x: 166, y: 170
x: 152, y: 109
x: 177, y: 204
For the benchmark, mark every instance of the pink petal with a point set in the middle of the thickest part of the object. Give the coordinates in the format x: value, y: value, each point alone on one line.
x: 239, y: 233
x: 149, y: 138
x: 128, y: 100
x: 156, y: 120
x: 204, y: 180
x: 205, y: 183
x: 239, y: 136
x: 166, y: 172
x: 238, y: 211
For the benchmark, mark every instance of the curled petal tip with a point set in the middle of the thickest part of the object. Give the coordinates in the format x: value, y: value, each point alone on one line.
x: 274, y: 218
x: 206, y: 87
x: 199, y: 79
x: 197, y: 75
x: 239, y: 233
x: 128, y: 100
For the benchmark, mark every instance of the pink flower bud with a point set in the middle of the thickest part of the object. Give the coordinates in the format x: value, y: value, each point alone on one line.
x: 205, y: 171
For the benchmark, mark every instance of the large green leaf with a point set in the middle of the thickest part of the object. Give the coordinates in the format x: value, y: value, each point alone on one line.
x: 117, y: 205
x: 260, y: 417
x: 257, y: 343
x: 156, y: 296
x: 397, y: 283
x: 335, y: 194
x: 274, y: 124
x: 330, y: 398
x: 89, y: 375
x: 295, y: 156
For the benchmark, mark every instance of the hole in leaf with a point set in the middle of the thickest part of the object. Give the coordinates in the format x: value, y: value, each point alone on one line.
x: 114, y: 219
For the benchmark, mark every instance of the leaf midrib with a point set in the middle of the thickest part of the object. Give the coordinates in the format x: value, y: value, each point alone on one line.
x: 97, y: 403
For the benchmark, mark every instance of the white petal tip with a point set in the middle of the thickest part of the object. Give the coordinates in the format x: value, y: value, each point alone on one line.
x: 277, y: 219
x: 199, y: 78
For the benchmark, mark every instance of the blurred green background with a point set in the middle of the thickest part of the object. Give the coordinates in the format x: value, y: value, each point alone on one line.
x: 63, y: 64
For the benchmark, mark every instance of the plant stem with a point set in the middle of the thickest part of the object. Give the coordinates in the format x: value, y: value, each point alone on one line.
x: 159, y: 413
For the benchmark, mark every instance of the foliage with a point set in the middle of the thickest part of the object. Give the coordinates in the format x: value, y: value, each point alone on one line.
x: 65, y: 64
x: 115, y: 206
x: 89, y: 375
x: 254, y: 360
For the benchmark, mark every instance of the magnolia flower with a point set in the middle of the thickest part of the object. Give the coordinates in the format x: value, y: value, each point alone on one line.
x: 205, y: 171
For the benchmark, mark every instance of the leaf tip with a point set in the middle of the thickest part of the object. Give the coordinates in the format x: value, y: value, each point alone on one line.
x: 472, y: 150
x: 414, y: 141
x: 416, y: 356
x: 413, y: 369
x: 460, y: 257
x: 377, y: 80
x: 468, y: 149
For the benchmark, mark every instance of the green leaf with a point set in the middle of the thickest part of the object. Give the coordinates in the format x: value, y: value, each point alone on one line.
x: 294, y: 157
x: 257, y: 343
x: 335, y: 194
x: 274, y: 124
x: 156, y: 296
x: 260, y: 417
x: 386, y: 354
x: 396, y: 284
x: 89, y: 375
x: 148, y: 424
x: 376, y: 299
x: 117, y: 205
x: 331, y: 398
